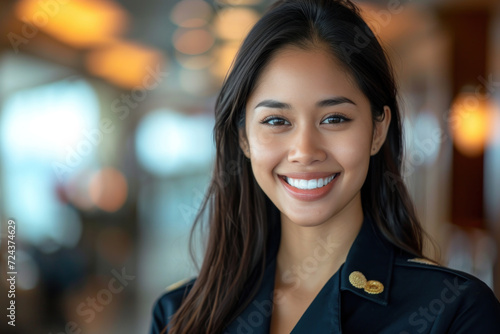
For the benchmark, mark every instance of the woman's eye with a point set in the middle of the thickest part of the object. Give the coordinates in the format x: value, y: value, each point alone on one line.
x: 274, y: 121
x: 278, y: 121
x: 336, y: 119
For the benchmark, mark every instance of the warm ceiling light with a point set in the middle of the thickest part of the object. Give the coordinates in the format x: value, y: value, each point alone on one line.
x: 127, y: 64
x: 234, y: 23
x: 193, y: 41
x: 470, y: 123
x: 77, y: 22
x: 191, y: 13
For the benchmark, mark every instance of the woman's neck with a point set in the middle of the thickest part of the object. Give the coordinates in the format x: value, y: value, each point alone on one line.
x: 309, y: 255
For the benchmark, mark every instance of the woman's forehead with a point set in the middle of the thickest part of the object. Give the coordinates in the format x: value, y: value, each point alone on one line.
x: 295, y: 73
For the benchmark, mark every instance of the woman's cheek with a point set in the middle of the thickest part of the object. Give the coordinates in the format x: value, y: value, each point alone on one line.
x: 262, y: 138
x: 353, y: 154
x: 266, y: 145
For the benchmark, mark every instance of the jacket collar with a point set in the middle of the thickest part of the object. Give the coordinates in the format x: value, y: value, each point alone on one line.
x: 372, y: 256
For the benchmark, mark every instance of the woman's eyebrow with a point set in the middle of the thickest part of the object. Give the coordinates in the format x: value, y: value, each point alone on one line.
x: 334, y: 101
x: 273, y: 104
x: 323, y: 103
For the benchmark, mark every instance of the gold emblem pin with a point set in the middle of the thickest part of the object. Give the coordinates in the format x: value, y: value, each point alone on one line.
x: 374, y: 287
x: 358, y: 280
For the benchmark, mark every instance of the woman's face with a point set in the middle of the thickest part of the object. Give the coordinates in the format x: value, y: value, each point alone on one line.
x: 307, y: 120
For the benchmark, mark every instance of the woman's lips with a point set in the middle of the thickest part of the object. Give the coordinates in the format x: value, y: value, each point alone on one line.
x: 308, y: 176
x: 309, y: 194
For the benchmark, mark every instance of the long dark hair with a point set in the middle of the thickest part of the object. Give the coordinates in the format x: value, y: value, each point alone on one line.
x: 239, y: 212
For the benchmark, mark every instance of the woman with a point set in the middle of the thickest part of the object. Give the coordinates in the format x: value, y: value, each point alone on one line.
x: 314, y: 231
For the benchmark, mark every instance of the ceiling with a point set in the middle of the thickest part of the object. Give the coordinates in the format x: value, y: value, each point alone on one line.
x: 149, y: 24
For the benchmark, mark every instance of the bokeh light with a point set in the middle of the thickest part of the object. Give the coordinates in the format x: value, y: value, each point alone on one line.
x: 470, y: 123
x: 191, y: 13
x: 108, y: 189
x: 80, y: 23
x: 169, y: 142
x: 58, y: 115
x: 44, y: 142
x: 126, y: 64
x: 193, y: 41
x: 224, y: 55
x: 235, y: 22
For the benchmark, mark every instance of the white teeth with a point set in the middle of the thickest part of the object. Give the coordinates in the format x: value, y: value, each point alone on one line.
x: 321, y: 183
x: 309, y: 184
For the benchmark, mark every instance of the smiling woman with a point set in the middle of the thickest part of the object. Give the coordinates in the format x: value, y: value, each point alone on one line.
x: 316, y: 232
x: 312, y: 122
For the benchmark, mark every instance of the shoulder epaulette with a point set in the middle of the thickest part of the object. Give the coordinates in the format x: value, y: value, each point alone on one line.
x: 178, y: 284
x: 423, y: 260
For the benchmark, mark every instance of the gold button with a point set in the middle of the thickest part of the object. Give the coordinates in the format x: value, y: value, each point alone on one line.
x: 374, y: 287
x: 357, y: 279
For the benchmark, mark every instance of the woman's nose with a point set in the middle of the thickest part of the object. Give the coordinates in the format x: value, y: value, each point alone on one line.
x: 306, y: 147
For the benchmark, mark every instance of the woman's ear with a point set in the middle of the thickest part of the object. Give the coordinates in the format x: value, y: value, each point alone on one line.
x: 244, y: 142
x: 380, y: 131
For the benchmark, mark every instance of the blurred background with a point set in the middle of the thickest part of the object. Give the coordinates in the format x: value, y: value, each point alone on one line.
x: 106, y: 117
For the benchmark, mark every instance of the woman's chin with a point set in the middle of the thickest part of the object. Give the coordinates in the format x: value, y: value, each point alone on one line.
x: 304, y: 221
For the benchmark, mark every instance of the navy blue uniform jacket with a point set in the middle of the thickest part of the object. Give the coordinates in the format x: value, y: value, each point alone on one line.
x: 378, y: 289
